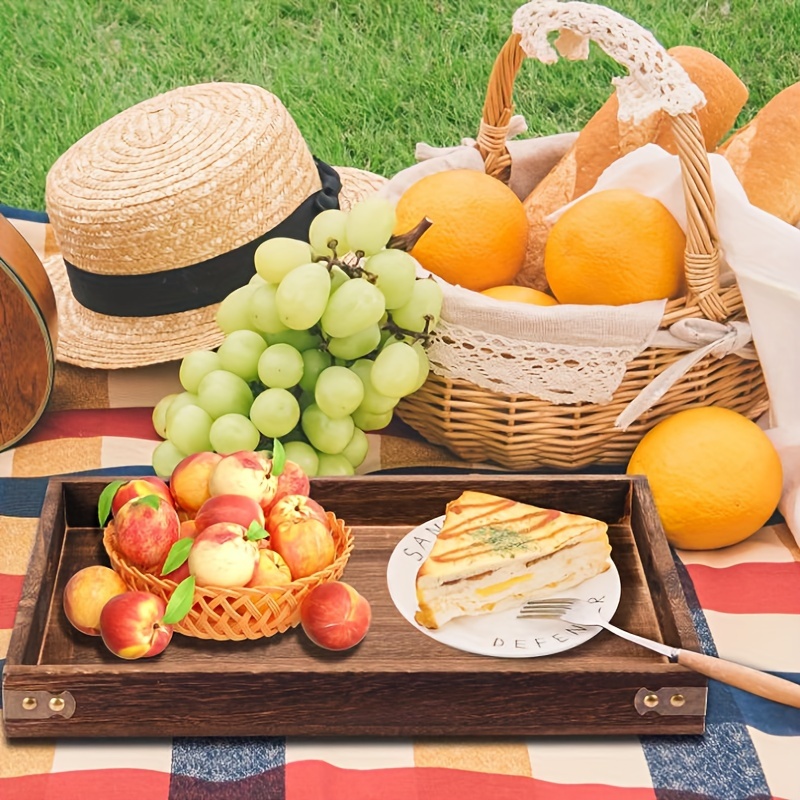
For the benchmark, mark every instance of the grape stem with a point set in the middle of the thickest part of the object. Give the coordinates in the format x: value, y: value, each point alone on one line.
x: 406, y: 241
x: 418, y: 336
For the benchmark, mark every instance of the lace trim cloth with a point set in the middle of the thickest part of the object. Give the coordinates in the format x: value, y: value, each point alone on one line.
x: 655, y: 81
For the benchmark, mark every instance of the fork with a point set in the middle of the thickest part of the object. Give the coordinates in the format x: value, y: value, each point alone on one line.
x: 580, y: 612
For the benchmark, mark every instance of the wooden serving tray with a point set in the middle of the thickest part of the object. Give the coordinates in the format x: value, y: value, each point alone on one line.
x: 398, y: 681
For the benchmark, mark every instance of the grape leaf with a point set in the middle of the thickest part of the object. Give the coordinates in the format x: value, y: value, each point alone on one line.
x: 255, y: 532
x: 106, y: 498
x: 278, y: 457
x: 178, y: 553
x: 180, y: 603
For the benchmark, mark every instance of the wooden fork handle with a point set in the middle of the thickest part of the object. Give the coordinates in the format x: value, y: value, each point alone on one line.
x: 751, y: 680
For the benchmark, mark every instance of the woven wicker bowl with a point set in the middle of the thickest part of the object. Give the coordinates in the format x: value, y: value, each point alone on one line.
x: 238, y: 614
x: 521, y: 432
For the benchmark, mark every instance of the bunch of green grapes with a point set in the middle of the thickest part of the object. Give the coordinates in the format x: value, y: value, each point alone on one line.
x: 320, y: 346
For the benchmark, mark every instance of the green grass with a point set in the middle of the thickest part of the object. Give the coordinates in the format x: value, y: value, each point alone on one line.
x: 364, y: 79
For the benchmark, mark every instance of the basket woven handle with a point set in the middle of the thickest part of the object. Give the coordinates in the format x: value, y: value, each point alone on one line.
x: 656, y: 81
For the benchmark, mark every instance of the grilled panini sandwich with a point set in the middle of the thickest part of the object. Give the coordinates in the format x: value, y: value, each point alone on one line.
x: 493, y: 552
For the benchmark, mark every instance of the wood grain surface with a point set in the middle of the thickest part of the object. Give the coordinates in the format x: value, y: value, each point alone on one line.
x: 28, y: 335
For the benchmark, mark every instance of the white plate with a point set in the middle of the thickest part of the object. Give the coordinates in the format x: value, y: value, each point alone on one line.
x: 500, y: 633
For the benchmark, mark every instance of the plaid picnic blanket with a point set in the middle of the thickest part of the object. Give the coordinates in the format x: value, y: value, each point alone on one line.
x: 745, y: 601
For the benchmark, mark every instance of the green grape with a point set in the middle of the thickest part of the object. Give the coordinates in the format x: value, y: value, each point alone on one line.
x: 189, y: 428
x: 327, y: 233
x: 239, y: 353
x: 356, y: 305
x: 276, y: 258
x: 338, y: 277
x: 232, y: 432
x: 396, y: 271
x: 369, y: 225
x: 263, y: 310
x: 314, y: 361
x: 304, y: 455
x: 374, y: 402
x: 368, y: 421
x: 332, y: 465
x: 338, y: 392
x: 165, y: 458
x: 280, y: 366
x: 300, y: 340
x: 275, y: 412
x: 424, y: 365
x: 426, y: 299
x: 256, y: 280
x: 182, y: 399
x: 357, y: 345
x: 396, y: 370
x: 357, y: 448
x: 233, y: 313
x: 222, y: 392
x: 160, y: 414
x: 302, y: 296
x: 325, y: 434
x: 195, y: 366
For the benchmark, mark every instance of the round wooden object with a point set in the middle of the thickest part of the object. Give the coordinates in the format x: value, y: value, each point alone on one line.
x: 28, y: 336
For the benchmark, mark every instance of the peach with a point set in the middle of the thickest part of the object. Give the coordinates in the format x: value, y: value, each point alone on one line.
x: 295, y: 507
x: 293, y: 480
x: 335, y: 616
x: 306, y: 545
x: 85, y: 594
x: 145, y: 530
x: 229, y: 508
x: 222, y: 556
x: 131, y: 625
x: 189, y: 480
x: 247, y: 473
x: 140, y: 487
x: 188, y: 528
x: 271, y: 570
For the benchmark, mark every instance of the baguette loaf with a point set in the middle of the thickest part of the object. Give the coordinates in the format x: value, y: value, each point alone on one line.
x: 605, y: 138
x: 765, y: 155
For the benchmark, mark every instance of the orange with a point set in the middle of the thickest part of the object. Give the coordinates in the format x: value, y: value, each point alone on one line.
x: 614, y: 247
x: 715, y: 476
x: 520, y: 294
x: 479, y: 232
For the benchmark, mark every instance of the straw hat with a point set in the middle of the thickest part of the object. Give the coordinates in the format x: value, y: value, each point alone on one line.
x: 158, y: 211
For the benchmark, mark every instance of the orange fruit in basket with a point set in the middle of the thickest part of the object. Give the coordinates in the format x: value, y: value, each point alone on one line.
x: 614, y: 247
x: 479, y: 232
x: 716, y: 477
x: 520, y: 294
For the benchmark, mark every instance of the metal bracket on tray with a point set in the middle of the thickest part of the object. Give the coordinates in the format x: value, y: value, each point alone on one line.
x: 21, y: 705
x: 672, y: 700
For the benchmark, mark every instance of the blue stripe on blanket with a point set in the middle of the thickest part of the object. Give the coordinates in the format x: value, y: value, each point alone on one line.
x: 227, y: 768
x: 692, y: 764
x: 23, y: 497
x: 20, y: 213
x: 767, y: 716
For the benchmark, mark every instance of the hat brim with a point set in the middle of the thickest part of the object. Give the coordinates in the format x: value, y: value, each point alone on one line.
x: 99, y: 341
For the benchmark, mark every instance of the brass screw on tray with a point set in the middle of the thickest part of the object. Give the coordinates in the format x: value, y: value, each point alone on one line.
x: 677, y: 700
x: 650, y: 700
x: 29, y: 703
x: 56, y: 704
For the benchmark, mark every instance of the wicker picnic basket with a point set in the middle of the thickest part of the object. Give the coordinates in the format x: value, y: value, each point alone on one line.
x: 238, y: 614
x: 521, y: 432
